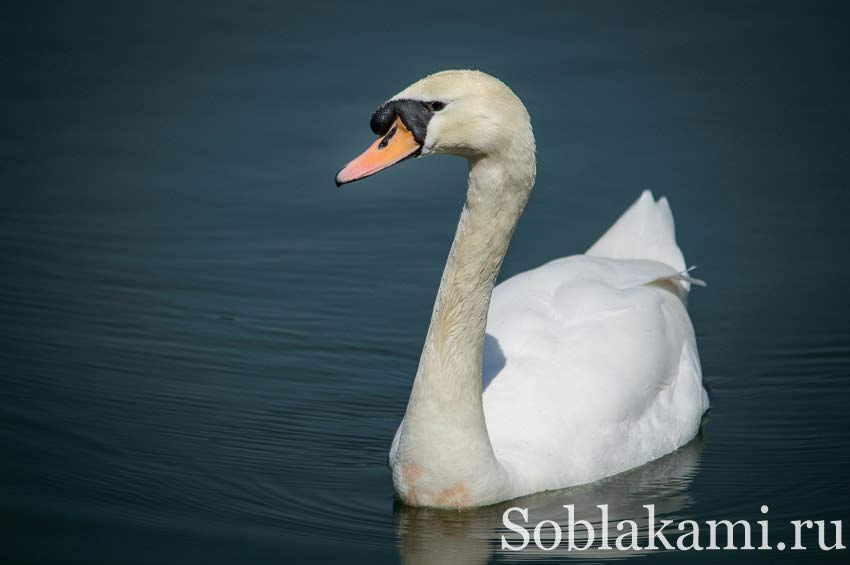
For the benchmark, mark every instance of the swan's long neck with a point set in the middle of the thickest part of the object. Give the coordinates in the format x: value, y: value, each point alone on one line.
x: 444, y: 434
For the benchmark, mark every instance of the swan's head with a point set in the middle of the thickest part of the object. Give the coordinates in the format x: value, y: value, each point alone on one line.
x: 465, y: 113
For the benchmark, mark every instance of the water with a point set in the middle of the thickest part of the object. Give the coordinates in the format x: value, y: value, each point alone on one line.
x: 206, y: 347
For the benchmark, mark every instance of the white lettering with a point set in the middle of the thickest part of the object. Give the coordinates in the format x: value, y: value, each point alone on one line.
x: 506, y: 520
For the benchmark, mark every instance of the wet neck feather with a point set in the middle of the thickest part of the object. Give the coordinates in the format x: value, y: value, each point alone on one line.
x: 444, y: 424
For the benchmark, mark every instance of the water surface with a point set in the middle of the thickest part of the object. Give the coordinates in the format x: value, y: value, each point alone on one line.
x: 206, y: 347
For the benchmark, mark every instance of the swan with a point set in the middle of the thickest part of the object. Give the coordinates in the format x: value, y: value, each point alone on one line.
x: 566, y: 374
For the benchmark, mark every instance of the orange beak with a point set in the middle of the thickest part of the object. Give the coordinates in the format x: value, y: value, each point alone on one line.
x: 396, y: 146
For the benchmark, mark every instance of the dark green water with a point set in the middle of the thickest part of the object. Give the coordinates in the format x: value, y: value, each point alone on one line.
x: 206, y: 346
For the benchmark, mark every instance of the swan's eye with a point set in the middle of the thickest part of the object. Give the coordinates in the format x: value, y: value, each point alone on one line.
x: 436, y: 106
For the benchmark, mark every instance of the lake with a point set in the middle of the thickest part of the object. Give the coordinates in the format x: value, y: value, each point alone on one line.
x: 207, y: 346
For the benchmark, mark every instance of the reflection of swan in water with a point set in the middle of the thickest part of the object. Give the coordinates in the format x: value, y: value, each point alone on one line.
x: 428, y: 535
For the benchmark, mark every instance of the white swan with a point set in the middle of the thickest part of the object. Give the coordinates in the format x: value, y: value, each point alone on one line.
x: 589, y: 362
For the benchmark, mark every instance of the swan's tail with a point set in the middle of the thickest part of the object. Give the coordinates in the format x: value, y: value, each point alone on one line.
x: 644, y: 231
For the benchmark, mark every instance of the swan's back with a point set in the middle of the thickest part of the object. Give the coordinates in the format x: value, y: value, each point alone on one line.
x: 590, y: 362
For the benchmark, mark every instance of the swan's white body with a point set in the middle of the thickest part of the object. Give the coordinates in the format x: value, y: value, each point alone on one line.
x: 595, y: 361
x: 589, y: 363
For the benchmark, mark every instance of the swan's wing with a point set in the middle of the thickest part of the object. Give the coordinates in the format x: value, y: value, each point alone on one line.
x: 645, y: 231
x: 599, y: 372
x: 541, y: 312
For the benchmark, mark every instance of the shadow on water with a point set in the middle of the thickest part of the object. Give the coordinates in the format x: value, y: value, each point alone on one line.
x: 432, y: 536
